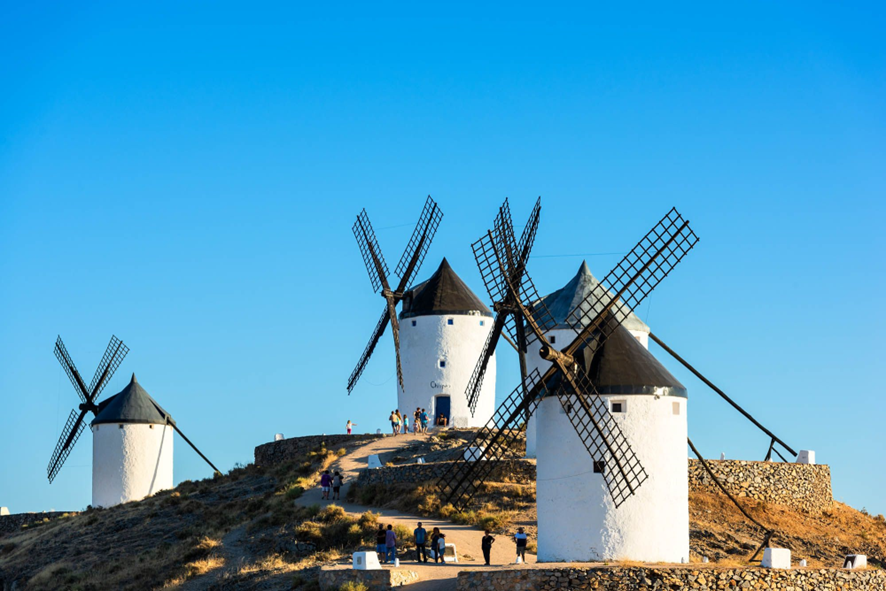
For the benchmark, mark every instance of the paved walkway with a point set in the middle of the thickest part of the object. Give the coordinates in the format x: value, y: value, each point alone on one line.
x: 439, y: 577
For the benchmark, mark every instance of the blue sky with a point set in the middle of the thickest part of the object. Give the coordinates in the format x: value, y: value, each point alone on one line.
x: 186, y: 176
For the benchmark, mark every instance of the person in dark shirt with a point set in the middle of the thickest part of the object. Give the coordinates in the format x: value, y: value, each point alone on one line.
x: 521, y: 538
x: 421, y: 538
x: 486, y: 544
x: 381, y: 536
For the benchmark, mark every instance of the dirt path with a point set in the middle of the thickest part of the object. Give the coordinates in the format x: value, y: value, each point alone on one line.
x: 439, y: 577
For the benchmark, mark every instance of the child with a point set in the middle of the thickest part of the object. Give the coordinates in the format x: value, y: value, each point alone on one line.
x: 406, y: 424
x: 350, y: 425
x: 325, y: 483
x: 521, y: 538
x: 336, y: 485
x: 486, y: 545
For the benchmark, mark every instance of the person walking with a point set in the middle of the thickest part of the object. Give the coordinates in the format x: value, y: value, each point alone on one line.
x: 325, y: 483
x: 380, y: 538
x: 521, y: 539
x: 406, y: 424
x: 421, y: 538
x: 486, y: 545
x: 416, y: 420
x: 393, y: 419
x: 336, y: 485
x: 350, y: 426
x: 424, y: 421
x: 390, y: 544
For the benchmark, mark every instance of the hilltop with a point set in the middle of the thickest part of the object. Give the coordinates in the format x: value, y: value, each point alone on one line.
x: 264, y: 527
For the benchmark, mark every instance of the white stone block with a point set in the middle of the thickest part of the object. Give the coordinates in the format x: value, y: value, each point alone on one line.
x: 4, y: 510
x: 803, y: 562
x: 806, y: 456
x: 854, y: 561
x: 776, y: 558
x: 278, y: 437
x: 421, y: 460
x: 449, y: 554
x: 472, y: 454
x: 374, y: 462
x: 366, y: 561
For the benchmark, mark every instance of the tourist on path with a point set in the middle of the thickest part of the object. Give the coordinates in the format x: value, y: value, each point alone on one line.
x: 393, y: 419
x: 486, y: 545
x: 381, y: 537
x: 350, y: 425
x: 521, y: 538
x: 325, y: 483
x: 406, y: 424
x: 441, y: 548
x: 421, y: 538
x: 390, y: 544
x: 435, y: 538
x: 416, y: 420
x: 424, y: 421
x: 336, y: 485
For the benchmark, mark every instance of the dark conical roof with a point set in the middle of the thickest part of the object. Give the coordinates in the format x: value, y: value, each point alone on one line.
x: 443, y: 293
x: 624, y: 366
x: 132, y: 405
x: 562, y: 302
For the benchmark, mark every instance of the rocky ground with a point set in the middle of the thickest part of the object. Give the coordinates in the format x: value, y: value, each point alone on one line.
x: 259, y: 528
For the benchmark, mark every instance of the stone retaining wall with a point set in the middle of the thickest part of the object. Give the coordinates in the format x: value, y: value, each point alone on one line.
x: 803, y: 487
x: 10, y: 524
x: 652, y: 578
x: 521, y: 471
x: 331, y: 579
x: 279, y: 452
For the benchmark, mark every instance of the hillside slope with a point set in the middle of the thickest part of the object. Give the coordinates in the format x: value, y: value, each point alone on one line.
x: 251, y: 529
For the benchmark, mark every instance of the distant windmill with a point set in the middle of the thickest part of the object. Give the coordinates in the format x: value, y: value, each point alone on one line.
x: 131, y: 458
x: 407, y: 268
x: 570, y: 381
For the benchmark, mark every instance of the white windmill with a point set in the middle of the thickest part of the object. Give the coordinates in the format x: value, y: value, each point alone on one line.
x: 132, y: 434
x: 605, y: 477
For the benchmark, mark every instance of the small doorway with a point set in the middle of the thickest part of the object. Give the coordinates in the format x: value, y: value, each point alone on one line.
x: 441, y: 409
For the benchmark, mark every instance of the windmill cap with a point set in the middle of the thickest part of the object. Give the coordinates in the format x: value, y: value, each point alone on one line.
x: 132, y: 405
x: 564, y: 301
x: 443, y: 293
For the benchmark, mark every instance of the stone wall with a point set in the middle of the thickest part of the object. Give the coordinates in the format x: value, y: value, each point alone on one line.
x: 800, y: 486
x: 649, y: 578
x: 331, y: 579
x: 520, y: 471
x: 279, y: 452
x: 12, y: 523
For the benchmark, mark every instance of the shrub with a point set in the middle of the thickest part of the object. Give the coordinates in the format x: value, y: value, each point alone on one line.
x: 331, y: 513
x: 342, y: 451
x: 353, y: 586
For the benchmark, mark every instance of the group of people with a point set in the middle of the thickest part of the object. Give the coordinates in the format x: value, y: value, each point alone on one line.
x: 330, y: 485
x: 400, y: 422
x: 435, y: 544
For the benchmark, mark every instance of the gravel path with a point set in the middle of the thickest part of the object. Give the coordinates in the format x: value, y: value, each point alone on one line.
x: 440, y: 577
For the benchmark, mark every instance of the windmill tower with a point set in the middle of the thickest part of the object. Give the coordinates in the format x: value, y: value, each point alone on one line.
x: 132, y: 434
x: 132, y: 439
x: 560, y: 304
x: 443, y: 327
x: 585, y: 509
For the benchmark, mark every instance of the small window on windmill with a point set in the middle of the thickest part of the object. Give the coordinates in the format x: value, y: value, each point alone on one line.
x: 620, y: 407
x: 414, y: 323
x: 676, y: 408
x: 450, y: 321
x: 553, y: 339
x: 442, y: 363
x: 121, y: 425
x: 482, y: 323
x: 150, y: 426
x: 599, y: 466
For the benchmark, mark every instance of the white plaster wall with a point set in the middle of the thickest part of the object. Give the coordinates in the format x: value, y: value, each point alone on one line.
x: 563, y: 337
x: 423, y: 346
x: 577, y: 520
x: 130, y: 463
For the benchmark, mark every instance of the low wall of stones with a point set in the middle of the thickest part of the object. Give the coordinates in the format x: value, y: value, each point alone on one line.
x: 803, y: 487
x: 519, y: 471
x: 280, y: 452
x: 641, y: 578
x: 331, y: 579
x: 10, y: 524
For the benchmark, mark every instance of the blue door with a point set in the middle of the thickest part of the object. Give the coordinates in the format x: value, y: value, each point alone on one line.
x: 442, y: 408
